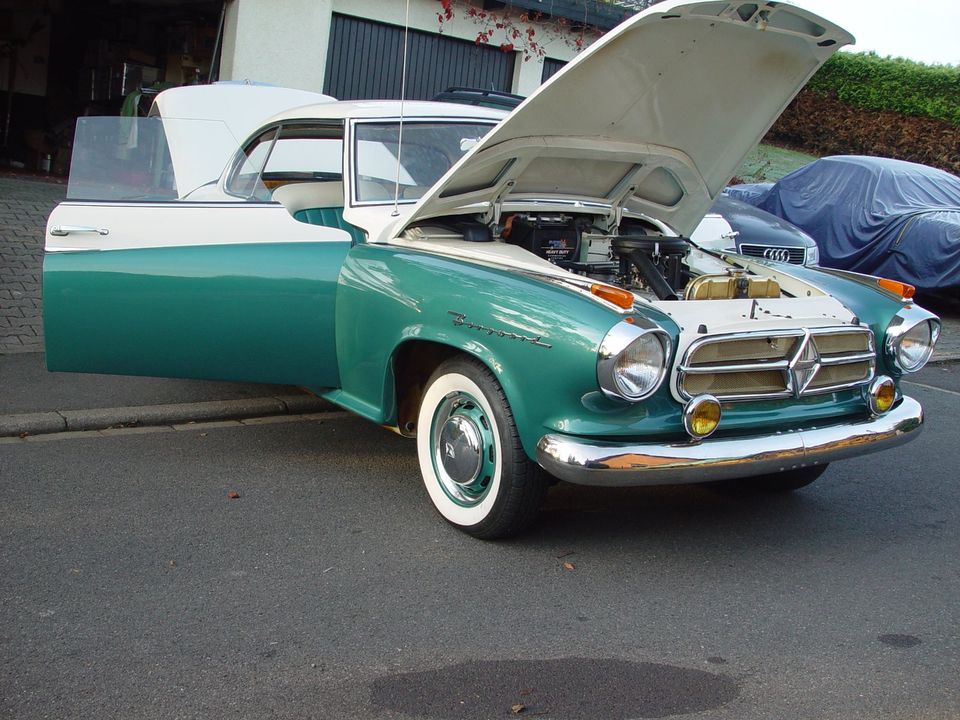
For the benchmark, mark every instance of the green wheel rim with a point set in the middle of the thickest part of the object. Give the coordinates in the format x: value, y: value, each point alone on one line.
x: 463, y: 449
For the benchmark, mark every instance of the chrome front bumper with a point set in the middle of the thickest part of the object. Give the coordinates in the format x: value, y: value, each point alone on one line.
x: 594, y: 462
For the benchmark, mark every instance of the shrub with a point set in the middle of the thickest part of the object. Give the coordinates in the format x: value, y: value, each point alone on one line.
x: 824, y: 125
x: 868, y: 81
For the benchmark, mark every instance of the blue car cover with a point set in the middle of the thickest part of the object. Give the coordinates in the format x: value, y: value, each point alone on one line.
x: 871, y: 215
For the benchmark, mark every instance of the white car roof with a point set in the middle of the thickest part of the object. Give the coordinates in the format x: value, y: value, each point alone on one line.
x: 359, y: 109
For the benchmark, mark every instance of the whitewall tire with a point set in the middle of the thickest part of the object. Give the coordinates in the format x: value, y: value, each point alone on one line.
x: 473, y: 465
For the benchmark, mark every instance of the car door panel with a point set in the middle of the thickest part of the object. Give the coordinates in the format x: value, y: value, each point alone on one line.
x: 232, y: 291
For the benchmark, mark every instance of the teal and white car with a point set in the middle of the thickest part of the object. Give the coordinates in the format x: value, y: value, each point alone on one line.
x: 516, y: 294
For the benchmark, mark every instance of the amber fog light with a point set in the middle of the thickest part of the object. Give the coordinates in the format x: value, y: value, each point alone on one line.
x: 701, y: 416
x: 881, y: 395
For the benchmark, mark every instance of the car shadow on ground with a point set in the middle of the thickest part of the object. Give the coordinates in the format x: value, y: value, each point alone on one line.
x: 840, y: 510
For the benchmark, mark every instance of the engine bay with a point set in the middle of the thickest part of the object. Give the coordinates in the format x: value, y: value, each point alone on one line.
x: 637, y: 257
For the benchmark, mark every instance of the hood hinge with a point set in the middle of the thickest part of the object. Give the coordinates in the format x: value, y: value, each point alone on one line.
x: 493, y: 212
x: 619, y: 196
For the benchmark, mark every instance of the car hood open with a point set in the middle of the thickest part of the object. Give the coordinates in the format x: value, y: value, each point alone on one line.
x: 654, y: 117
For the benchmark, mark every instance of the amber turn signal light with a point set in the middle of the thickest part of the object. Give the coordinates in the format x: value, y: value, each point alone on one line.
x: 881, y: 394
x: 897, y: 288
x: 619, y: 297
x: 701, y: 416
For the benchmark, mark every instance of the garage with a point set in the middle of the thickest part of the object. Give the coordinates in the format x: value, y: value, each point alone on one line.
x: 60, y: 60
x: 364, y: 60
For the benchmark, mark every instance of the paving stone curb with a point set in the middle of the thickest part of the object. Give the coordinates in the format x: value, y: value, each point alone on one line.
x: 152, y: 415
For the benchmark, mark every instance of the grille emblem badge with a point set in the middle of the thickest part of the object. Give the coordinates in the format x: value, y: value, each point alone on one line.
x: 805, y: 365
x: 777, y: 254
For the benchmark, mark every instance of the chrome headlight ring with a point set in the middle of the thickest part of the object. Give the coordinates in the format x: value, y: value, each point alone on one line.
x: 902, y: 327
x: 638, y: 337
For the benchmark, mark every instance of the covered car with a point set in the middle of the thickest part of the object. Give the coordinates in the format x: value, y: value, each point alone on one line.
x: 873, y: 215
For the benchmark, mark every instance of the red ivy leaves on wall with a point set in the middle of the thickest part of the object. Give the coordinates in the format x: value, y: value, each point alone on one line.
x: 523, y: 31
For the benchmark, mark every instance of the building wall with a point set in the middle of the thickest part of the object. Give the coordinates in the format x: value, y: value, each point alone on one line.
x: 287, y: 42
x: 284, y: 43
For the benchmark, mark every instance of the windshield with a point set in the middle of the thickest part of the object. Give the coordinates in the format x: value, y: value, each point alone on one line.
x: 146, y: 159
x: 429, y: 150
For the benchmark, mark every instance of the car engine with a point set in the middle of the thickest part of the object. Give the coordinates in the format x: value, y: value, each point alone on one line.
x: 638, y: 258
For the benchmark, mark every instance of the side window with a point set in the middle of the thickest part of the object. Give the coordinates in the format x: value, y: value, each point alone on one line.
x: 305, y: 153
x: 244, y: 180
x: 294, y: 153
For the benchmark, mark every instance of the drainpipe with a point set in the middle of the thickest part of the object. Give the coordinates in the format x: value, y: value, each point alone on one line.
x: 214, y: 73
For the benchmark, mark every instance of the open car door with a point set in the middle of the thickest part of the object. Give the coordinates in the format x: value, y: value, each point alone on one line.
x: 144, y: 275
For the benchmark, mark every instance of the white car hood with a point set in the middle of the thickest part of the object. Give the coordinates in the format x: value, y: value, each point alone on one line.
x: 656, y: 115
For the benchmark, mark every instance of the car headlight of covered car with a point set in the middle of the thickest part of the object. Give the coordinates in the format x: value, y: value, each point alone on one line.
x: 911, y: 338
x: 632, y: 360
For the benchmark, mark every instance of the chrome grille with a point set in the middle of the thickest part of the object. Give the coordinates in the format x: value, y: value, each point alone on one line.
x: 793, y: 255
x: 793, y: 363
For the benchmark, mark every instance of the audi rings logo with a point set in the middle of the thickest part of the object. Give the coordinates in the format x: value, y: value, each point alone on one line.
x: 777, y: 254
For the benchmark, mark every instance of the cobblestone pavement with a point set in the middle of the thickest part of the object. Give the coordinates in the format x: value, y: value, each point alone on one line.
x: 24, y: 207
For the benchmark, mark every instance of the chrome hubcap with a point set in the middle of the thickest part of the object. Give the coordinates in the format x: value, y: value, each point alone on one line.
x: 460, y: 449
x: 463, y: 449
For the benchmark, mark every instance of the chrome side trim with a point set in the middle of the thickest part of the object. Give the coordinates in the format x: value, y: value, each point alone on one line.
x: 595, y: 462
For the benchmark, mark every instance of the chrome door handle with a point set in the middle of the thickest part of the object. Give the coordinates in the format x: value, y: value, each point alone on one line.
x: 61, y: 230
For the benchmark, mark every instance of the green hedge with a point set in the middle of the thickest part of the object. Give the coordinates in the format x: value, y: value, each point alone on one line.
x: 874, y: 83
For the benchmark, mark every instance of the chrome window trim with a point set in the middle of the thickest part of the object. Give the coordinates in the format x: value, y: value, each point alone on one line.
x: 794, y: 386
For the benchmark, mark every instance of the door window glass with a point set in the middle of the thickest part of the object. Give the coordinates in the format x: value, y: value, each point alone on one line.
x: 148, y: 159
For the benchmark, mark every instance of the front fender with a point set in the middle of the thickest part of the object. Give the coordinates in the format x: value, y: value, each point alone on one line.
x: 540, y: 340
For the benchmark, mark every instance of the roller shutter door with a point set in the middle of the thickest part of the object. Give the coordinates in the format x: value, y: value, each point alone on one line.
x: 550, y: 67
x: 364, y: 61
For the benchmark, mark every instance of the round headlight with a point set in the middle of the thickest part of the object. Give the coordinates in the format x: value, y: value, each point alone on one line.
x: 632, y: 360
x: 911, y: 338
x: 638, y: 369
x: 915, y: 347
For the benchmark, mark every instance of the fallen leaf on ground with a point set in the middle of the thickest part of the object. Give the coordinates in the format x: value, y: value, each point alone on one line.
x: 233, y: 494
